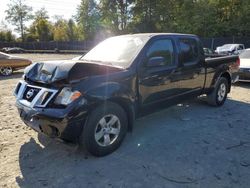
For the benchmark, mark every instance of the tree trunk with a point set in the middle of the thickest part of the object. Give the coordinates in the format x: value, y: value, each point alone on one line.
x: 22, y: 30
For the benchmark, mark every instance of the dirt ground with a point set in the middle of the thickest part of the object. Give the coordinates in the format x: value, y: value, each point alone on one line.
x: 188, y: 145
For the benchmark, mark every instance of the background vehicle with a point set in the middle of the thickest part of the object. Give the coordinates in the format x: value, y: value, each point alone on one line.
x: 96, y: 99
x: 9, y: 63
x: 244, y: 72
x: 13, y: 50
x: 230, y: 49
x: 211, y: 53
x: 208, y: 51
x: 4, y: 49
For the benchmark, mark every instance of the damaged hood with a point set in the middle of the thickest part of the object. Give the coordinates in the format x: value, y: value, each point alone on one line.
x: 66, y: 71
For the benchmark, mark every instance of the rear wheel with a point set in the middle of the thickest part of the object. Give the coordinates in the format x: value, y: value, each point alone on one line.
x: 6, y: 71
x: 105, y: 129
x: 219, y: 94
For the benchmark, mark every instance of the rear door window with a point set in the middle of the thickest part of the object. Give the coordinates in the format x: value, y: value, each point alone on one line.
x: 189, y: 50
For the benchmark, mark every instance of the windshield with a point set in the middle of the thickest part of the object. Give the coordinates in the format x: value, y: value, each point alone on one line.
x: 117, y: 51
x: 245, y: 54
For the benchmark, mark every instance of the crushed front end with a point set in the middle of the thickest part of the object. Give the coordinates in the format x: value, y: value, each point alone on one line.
x: 51, y: 98
x: 45, y: 110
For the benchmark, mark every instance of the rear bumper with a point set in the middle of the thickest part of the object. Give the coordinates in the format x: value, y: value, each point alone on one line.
x: 244, y: 74
x: 65, y: 123
x: 235, y: 77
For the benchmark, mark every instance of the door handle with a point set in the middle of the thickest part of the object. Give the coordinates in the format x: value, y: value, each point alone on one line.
x: 176, y: 71
x: 147, y: 78
x: 154, y: 76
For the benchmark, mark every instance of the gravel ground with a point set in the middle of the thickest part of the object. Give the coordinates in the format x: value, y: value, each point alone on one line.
x: 188, y: 145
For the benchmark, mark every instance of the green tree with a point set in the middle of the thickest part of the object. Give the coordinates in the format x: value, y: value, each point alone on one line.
x: 232, y: 17
x: 88, y: 18
x: 40, y: 29
x: 6, y: 36
x: 43, y: 30
x: 41, y: 14
x: 115, y: 15
x: 207, y: 18
x: 72, y: 31
x: 17, y: 14
x: 43, y: 26
x: 147, y: 15
x: 60, y: 28
x: 5, y: 33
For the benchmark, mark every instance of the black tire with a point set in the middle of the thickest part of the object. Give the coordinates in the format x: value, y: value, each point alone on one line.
x: 217, y: 97
x: 88, y: 137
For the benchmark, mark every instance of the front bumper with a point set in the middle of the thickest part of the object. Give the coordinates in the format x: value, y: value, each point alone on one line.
x: 64, y: 123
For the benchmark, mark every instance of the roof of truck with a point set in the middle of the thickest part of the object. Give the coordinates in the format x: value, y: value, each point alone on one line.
x: 160, y: 34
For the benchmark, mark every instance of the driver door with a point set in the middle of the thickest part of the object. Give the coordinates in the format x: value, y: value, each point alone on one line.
x: 157, y: 73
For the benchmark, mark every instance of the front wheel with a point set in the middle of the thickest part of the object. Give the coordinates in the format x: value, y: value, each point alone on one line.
x: 6, y: 71
x: 105, y: 129
x: 219, y: 94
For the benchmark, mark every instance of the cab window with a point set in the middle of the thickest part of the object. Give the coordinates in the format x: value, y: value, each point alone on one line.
x: 189, y: 50
x: 161, y: 49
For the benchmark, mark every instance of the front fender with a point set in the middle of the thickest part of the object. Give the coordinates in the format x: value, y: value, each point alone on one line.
x: 109, y: 90
x: 117, y: 93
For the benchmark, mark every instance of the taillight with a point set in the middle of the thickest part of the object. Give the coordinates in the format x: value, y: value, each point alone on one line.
x: 238, y: 62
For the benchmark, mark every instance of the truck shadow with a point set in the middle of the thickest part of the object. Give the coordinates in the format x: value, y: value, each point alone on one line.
x: 243, y: 84
x: 13, y: 76
x: 188, y: 146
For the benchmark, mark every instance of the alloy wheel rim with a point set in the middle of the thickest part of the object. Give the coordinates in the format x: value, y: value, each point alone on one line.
x: 221, y: 92
x: 107, y: 130
x: 5, y: 71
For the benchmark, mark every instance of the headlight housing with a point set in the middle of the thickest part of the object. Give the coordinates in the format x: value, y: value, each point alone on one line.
x: 66, y: 96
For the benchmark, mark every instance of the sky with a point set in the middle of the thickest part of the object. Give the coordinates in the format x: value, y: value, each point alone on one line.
x: 65, y: 8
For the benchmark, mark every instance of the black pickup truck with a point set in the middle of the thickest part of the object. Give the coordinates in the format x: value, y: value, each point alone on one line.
x: 95, y: 100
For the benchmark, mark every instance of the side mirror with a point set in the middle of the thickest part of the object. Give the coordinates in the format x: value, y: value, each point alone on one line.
x: 156, y: 61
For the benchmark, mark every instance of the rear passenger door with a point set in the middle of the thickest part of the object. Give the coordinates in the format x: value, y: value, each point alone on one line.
x: 192, y: 71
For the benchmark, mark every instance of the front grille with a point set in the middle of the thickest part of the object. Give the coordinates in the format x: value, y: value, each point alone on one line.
x: 46, y: 97
x: 33, y: 96
x: 30, y: 93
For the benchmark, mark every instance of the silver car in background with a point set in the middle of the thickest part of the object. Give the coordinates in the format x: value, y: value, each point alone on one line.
x: 230, y: 49
x: 244, y: 72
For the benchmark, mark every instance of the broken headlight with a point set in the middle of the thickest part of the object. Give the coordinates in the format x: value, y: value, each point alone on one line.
x: 66, y: 96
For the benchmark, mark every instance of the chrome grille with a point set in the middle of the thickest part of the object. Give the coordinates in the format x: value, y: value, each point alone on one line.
x: 33, y: 96
x: 30, y: 93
